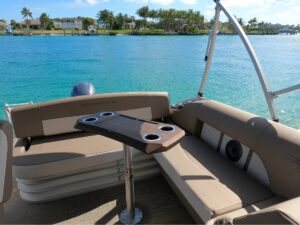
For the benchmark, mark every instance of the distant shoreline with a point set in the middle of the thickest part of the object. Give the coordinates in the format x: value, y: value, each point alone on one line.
x: 114, y: 33
x: 133, y: 34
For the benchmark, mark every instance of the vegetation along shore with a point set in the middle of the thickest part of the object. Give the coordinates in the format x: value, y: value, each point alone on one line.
x: 147, y: 22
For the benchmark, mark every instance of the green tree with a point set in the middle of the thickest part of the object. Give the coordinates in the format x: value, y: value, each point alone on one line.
x: 106, y: 16
x: 86, y: 22
x: 119, y: 21
x: 153, y: 14
x: 45, y: 21
x: 253, y: 22
x: 143, y: 12
x: 13, y: 24
x: 241, y: 21
x: 26, y: 13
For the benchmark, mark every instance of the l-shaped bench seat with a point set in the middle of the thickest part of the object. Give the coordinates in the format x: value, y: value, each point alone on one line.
x: 211, y: 180
x: 211, y: 184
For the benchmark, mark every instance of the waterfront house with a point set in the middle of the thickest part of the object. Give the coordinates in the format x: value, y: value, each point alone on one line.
x: 3, y: 25
x: 287, y: 30
x: 33, y: 24
x: 102, y: 25
x: 129, y: 25
x: 67, y: 23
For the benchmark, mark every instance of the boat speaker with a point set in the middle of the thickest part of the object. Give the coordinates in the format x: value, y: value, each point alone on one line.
x: 234, y: 150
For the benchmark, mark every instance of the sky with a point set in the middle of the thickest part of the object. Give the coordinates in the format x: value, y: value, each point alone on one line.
x: 275, y: 11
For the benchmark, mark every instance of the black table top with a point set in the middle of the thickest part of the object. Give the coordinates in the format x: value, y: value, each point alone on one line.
x: 147, y: 136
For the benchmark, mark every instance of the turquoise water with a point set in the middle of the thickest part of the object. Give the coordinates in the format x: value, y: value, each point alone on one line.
x: 42, y: 68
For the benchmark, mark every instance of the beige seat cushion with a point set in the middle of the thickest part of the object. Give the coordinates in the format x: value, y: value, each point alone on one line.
x: 6, y: 144
x: 49, y: 156
x: 212, y: 185
x: 284, y: 213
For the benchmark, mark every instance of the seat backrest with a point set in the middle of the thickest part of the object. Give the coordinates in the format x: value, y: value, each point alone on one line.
x: 60, y: 116
x: 6, y: 143
x: 282, y: 213
x: 269, y: 151
x: 279, y: 148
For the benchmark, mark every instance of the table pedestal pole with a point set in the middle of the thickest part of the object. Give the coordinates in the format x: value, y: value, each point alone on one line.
x: 130, y: 215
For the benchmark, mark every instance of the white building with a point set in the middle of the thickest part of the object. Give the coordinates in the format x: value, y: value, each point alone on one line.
x: 129, y: 25
x: 67, y: 23
x: 3, y: 25
x: 102, y: 25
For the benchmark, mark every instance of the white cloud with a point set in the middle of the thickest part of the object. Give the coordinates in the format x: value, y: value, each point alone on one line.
x: 285, y: 16
x: 138, y: 1
x: 159, y: 2
x: 77, y: 3
x: 275, y: 11
x: 209, y: 11
x: 189, y: 2
x: 162, y: 2
x: 257, y: 3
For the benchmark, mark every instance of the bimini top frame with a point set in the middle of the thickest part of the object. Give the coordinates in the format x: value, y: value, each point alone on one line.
x: 269, y: 95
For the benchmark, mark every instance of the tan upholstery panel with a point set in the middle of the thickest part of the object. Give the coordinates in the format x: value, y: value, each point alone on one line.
x: 158, y: 101
x: 279, y: 149
x: 6, y: 144
x: 56, y: 156
x: 245, y: 211
x: 211, y: 184
x: 283, y: 213
x: 28, y: 120
x: 62, y: 147
x: 186, y: 117
x: 240, y: 125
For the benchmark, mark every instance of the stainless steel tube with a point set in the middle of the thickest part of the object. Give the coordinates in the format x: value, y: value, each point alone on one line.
x: 210, y: 50
x: 130, y: 215
x: 129, y: 182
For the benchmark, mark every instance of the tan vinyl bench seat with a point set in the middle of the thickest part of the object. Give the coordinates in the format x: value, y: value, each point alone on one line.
x: 54, y: 155
x: 62, y: 161
x: 211, y: 184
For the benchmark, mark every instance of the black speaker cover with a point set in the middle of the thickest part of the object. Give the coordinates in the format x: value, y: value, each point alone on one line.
x: 234, y: 150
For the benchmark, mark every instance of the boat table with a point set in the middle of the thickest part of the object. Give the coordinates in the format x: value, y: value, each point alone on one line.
x: 148, y: 137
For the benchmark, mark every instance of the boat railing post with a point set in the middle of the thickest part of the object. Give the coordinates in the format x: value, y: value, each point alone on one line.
x: 258, y: 67
x: 130, y: 215
x: 208, y: 45
x: 286, y: 90
x: 210, y: 49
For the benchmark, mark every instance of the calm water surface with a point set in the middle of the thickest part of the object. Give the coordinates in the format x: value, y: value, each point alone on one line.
x: 43, y: 68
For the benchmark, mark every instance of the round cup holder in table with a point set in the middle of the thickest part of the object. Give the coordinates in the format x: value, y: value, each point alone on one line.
x: 151, y: 137
x: 90, y: 119
x: 107, y: 114
x: 167, y: 128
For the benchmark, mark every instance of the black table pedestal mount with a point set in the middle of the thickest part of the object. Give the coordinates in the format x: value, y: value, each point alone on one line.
x: 148, y: 137
x: 130, y: 215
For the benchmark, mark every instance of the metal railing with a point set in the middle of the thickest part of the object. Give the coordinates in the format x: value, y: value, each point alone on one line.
x: 269, y: 95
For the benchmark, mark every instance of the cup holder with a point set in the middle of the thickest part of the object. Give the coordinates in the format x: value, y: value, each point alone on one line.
x: 107, y: 114
x: 222, y: 222
x: 151, y: 137
x: 90, y: 119
x: 167, y: 128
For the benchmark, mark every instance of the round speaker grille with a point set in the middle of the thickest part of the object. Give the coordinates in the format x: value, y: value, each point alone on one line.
x: 234, y: 150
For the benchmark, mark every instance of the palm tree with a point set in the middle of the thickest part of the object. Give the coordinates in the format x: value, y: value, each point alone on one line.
x: 106, y: 16
x: 26, y: 13
x: 45, y: 21
x: 153, y: 14
x: 143, y: 12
